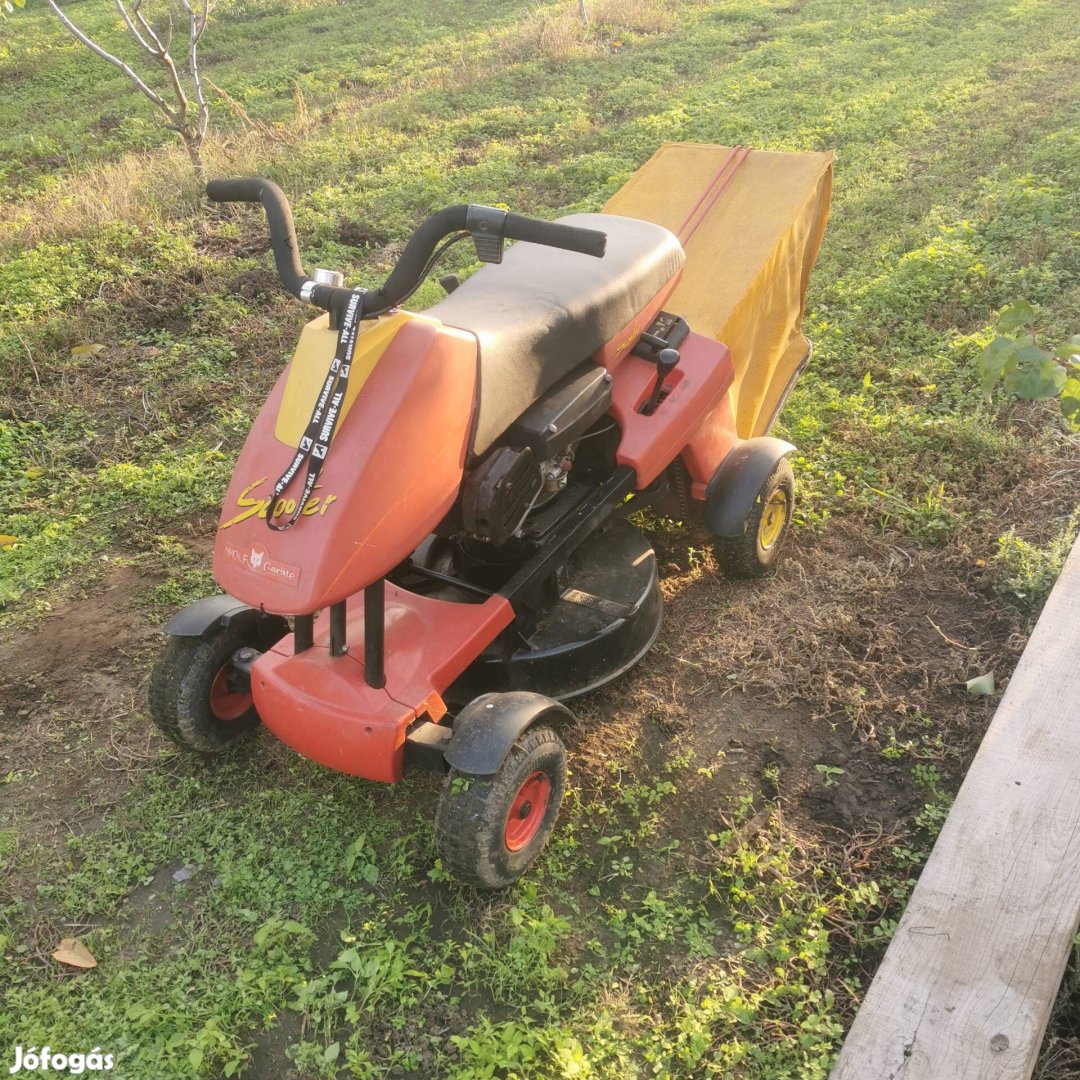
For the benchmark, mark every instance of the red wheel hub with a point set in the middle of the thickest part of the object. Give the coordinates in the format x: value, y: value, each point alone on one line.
x: 225, y: 702
x: 527, y: 811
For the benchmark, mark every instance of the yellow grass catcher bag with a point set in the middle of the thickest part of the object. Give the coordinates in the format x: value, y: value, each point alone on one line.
x: 751, y: 222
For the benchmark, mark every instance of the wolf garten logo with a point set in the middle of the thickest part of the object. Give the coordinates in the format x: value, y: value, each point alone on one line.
x: 252, y: 506
x: 259, y: 561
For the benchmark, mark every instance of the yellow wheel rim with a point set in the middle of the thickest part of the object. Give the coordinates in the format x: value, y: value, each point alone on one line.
x: 773, y: 519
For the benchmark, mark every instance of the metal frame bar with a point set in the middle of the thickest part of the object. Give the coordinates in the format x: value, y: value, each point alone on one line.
x: 303, y: 633
x: 338, y: 644
x: 374, y: 633
x: 449, y: 579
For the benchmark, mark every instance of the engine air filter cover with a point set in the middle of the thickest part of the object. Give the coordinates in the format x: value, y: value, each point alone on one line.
x: 496, y: 496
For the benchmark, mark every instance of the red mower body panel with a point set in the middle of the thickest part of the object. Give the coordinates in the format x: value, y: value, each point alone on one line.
x: 323, y: 707
x: 394, y: 471
x: 618, y: 348
x: 650, y: 442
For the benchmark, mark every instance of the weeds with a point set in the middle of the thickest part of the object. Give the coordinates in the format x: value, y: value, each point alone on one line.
x: 1026, y: 572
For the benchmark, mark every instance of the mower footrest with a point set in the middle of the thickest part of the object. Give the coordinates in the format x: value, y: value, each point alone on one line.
x: 323, y: 706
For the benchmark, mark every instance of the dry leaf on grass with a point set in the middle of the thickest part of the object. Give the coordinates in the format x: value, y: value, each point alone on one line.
x: 74, y: 953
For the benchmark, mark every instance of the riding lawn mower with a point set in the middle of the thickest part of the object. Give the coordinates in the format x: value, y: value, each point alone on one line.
x: 428, y: 543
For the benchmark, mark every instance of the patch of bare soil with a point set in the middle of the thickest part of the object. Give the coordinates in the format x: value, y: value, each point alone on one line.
x: 253, y: 238
x: 790, y: 689
x: 360, y: 234
x: 870, y: 634
x: 72, y: 724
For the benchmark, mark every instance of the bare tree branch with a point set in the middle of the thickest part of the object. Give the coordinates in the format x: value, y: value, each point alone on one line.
x: 158, y: 49
x: 191, y: 129
x: 97, y: 50
x: 198, y: 25
x: 177, y: 85
x: 132, y: 28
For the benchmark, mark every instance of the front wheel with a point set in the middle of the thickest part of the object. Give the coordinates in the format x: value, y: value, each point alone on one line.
x: 756, y: 551
x: 490, y: 829
x: 197, y: 697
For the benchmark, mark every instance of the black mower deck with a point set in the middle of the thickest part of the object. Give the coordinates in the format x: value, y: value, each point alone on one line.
x: 605, y: 619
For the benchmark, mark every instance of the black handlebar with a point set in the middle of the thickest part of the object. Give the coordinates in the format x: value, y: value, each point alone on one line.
x: 278, y: 217
x: 552, y: 234
x: 418, y: 251
x: 282, y: 237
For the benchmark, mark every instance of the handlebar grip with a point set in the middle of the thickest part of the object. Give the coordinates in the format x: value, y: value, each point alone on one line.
x: 249, y: 189
x: 552, y: 234
x: 278, y: 218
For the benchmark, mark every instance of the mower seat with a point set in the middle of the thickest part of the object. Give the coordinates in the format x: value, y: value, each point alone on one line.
x: 542, y: 311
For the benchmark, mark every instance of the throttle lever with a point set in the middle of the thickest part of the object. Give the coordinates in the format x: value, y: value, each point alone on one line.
x: 666, y: 361
x: 486, y: 224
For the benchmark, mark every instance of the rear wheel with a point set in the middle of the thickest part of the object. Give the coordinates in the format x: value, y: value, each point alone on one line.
x: 490, y: 829
x: 757, y: 550
x: 197, y: 697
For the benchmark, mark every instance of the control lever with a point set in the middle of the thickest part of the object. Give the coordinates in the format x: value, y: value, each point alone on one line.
x: 666, y: 360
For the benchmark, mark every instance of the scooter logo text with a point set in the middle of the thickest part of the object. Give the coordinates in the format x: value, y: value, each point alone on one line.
x: 255, y: 505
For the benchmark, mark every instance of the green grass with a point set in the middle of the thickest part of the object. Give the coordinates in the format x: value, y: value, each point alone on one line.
x: 313, y: 910
x: 681, y: 978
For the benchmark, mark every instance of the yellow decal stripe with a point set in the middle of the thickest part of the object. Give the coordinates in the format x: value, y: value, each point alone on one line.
x: 310, y: 362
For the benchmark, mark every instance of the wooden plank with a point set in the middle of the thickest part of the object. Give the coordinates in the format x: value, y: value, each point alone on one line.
x: 967, y: 985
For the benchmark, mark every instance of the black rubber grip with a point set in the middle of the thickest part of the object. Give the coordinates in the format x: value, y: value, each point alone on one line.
x: 278, y: 218
x: 552, y: 234
x: 249, y: 189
